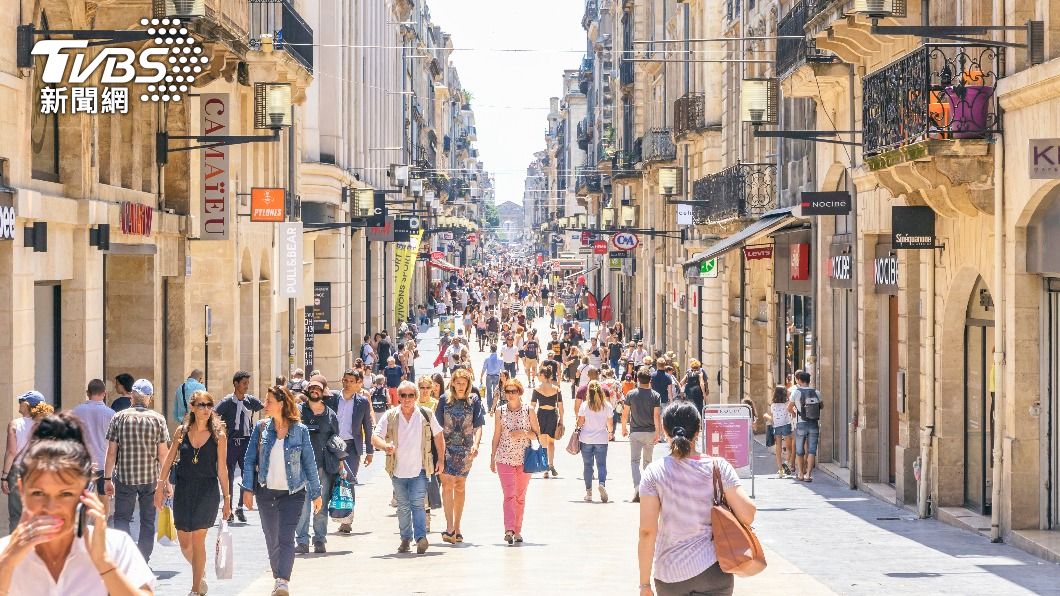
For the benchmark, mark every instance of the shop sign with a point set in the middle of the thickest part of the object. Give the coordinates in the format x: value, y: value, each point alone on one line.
x: 619, y: 254
x: 728, y: 434
x: 540, y: 259
x: 614, y: 264
x: 437, y: 255
x: 472, y: 238
x: 709, y: 268
x: 321, y: 307
x: 684, y: 214
x: 755, y: 253
x: 800, y: 261
x: 605, y: 309
x: 382, y: 233
x: 839, y: 267
x: 290, y: 259
x: 824, y: 203
x: 216, y: 217
x: 378, y: 218
x: 154, y: 68
x: 625, y: 241
x: 1045, y: 158
x: 135, y: 219
x: 310, y: 341
x: 600, y: 247
x: 7, y: 223
x: 912, y: 228
x: 267, y: 204
x: 585, y: 250
x: 885, y: 270
x: 447, y: 235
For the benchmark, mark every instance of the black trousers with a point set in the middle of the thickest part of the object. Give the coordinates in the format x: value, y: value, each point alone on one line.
x: 237, y: 452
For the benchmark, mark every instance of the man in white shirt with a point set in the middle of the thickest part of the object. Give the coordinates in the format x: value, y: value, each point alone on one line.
x: 639, y: 354
x: 455, y: 353
x: 401, y: 434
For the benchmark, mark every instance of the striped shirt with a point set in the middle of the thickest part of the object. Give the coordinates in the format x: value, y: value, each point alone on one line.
x: 684, y: 546
x: 138, y: 432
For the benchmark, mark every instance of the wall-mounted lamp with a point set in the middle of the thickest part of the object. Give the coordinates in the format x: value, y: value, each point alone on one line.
x: 36, y: 236
x: 669, y: 181
x: 99, y: 236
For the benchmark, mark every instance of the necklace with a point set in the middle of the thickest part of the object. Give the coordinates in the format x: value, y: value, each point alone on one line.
x: 195, y: 457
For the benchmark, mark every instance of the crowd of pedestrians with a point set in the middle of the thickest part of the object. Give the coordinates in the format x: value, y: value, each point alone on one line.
x: 286, y: 454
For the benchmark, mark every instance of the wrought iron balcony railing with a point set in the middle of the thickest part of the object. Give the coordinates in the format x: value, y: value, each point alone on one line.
x: 625, y: 71
x: 590, y: 13
x: 585, y: 135
x: 690, y: 113
x: 743, y: 191
x: 289, y: 31
x: 658, y: 145
x: 624, y: 164
x: 793, y: 52
x: 587, y: 180
x: 938, y: 91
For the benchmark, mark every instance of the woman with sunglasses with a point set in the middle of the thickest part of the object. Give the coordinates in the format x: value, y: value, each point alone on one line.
x: 462, y: 417
x: 201, y: 476
x: 514, y: 425
x: 285, y: 475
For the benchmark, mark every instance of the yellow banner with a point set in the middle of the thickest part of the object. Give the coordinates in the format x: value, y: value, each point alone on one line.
x: 404, y: 267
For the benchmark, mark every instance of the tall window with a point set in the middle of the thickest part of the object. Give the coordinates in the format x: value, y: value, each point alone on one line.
x: 44, y: 128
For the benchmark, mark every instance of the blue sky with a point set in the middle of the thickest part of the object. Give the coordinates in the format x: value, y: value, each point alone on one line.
x: 511, y: 90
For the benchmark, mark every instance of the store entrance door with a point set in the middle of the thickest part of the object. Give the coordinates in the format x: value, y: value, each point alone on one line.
x: 1051, y: 391
x: 978, y: 400
x: 892, y: 385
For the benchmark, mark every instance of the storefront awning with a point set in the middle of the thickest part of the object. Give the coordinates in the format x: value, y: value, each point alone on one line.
x: 767, y: 224
x: 443, y: 265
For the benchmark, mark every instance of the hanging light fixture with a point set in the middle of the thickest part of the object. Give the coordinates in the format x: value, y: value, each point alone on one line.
x: 607, y: 218
x: 758, y: 101
x: 669, y: 181
x: 363, y: 202
x: 629, y: 216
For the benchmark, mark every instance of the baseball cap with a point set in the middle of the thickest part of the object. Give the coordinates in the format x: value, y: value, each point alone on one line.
x: 316, y: 384
x: 321, y: 379
x: 144, y: 387
x: 32, y: 397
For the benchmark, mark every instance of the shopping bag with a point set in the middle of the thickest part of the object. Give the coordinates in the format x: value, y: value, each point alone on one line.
x: 224, y: 563
x: 341, y: 504
x: 574, y: 445
x: 535, y: 459
x: 167, y: 529
x: 434, y: 493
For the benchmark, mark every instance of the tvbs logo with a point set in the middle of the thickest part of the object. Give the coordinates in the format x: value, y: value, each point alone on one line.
x: 165, y: 67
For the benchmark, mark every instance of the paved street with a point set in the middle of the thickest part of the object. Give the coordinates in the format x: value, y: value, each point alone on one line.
x: 820, y: 538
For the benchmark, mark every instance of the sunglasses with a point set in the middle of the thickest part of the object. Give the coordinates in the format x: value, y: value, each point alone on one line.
x: 426, y: 388
x: 202, y: 405
x: 512, y: 392
x: 406, y: 394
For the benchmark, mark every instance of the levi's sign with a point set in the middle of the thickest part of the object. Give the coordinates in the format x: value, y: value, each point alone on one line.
x: 825, y: 203
x: 1045, y: 158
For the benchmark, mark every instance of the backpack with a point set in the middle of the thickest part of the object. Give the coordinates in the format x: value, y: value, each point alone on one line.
x: 380, y: 399
x: 809, y: 404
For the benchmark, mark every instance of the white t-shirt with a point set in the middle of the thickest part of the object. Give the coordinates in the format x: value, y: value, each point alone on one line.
x: 79, y: 576
x: 594, y: 431
x: 508, y: 353
x: 409, y: 452
x: 781, y: 415
x: 276, y: 479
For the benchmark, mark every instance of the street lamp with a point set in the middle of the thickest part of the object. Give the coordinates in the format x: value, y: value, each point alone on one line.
x: 758, y: 101
x: 363, y: 202
x: 629, y: 216
x: 416, y: 187
x: 583, y: 221
x: 669, y: 180
x: 399, y: 173
x: 607, y: 217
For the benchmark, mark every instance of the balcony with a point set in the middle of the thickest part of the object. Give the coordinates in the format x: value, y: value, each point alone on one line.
x: 625, y: 72
x: 658, y: 145
x: 939, y: 91
x: 585, y: 135
x: 289, y: 31
x: 928, y: 122
x: 689, y: 114
x: 590, y: 14
x: 792, y: 53
x: 742, y: 192
x: 624, y: 164
x: 587, y: 181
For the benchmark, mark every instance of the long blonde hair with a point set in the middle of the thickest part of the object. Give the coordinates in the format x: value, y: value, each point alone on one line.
x: 451, y: 396
x: 215, y: 425
x: 596, y: 396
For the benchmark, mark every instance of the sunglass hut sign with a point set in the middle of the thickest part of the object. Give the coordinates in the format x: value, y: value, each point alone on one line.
x: 162, y: 70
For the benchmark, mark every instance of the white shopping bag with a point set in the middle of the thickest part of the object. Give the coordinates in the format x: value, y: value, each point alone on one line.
x: 223, y: 560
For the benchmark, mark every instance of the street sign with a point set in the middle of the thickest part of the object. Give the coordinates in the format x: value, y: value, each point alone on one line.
x: 600, y: 247
x: 209, y: 321
x: 709, y: 268
x: 614, y: 264
x: 585, y: 250
x: 625, y: 241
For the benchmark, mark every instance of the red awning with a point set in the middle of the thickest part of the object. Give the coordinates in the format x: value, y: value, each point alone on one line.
x: 444, y: 266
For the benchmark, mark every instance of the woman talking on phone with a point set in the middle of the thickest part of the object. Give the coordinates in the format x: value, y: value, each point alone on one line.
x: 62, y: 544
x: 202, y: 474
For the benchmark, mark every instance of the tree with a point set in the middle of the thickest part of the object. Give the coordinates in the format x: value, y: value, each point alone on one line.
x: 490, y: 219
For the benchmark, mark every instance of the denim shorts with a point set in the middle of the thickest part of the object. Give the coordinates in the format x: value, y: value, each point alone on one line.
x: 810, y: 431
x: 783, y: 430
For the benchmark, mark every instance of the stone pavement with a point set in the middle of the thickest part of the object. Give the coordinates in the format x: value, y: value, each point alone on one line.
x: 820, y: 538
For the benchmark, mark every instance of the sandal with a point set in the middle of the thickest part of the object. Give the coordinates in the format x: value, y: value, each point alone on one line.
x: 509, y: 537
x: 458, y: 537
x: 447, y: 537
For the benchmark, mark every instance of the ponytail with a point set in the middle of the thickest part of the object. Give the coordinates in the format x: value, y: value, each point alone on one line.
x: 681, y: 421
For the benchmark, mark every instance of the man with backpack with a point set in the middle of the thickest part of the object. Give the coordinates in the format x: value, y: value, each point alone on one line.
x: 806, y: 404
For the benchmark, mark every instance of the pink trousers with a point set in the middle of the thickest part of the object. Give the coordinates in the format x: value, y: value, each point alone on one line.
x: 513, y: 483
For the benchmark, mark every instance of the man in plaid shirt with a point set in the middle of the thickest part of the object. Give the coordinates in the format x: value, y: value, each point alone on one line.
x: 137, y: 442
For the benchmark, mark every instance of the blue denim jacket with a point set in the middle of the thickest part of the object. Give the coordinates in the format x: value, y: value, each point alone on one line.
x: 298, y: 453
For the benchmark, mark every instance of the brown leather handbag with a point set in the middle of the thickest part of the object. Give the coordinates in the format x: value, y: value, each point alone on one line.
x: 739, y: 551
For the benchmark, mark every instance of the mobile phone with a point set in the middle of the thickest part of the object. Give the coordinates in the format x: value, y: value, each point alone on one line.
x: 80, y: 520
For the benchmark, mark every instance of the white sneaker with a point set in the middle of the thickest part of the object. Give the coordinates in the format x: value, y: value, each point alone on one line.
x: 281, y: 588
x: 588, y: 496
x: 603, y: 494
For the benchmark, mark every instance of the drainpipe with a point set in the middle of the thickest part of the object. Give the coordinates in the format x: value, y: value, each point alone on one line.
x: 855, y: 250
x: 999, y: 319
x: 927, y: 430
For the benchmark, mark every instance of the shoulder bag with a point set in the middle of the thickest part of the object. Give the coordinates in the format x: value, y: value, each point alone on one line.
x: 574, y: 445
x: 738, y: 549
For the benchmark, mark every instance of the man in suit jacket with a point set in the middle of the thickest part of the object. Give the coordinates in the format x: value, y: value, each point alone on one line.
x: 356, y: 420
x: 237, y: 412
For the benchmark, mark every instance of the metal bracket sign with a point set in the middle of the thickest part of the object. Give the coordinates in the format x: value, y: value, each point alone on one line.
x: 709, y: 268
x: 727, y: 433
